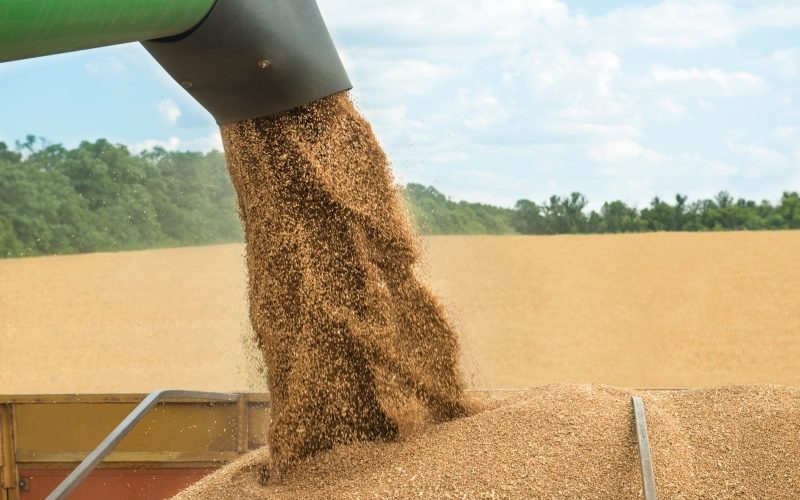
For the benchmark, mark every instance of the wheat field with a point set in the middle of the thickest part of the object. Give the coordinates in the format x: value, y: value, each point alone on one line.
x: 649, y: 310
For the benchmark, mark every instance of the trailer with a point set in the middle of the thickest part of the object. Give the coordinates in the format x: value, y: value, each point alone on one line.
x: 154, y: 451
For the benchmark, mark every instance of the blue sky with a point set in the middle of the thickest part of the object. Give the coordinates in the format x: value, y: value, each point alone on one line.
x: 496, y: 100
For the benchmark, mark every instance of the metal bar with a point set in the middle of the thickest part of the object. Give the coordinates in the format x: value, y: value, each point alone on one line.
x: 645, y: 459
x: 92, y: 398
x: 32, y: 28
x: 243, y: 443
x: 104, y: 448
x: 28, y: 459
x: 10, y: 475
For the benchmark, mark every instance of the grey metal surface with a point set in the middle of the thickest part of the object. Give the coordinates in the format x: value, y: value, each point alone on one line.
x: 73, y: 480
x: 253, y: 58
x: 645, y: 459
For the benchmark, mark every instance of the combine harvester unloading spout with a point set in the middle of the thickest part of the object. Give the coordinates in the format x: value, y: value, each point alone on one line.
x: 240, y: 59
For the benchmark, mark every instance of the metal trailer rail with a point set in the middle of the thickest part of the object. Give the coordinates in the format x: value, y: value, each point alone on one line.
x: 74, y: 479
x: 645, y: 458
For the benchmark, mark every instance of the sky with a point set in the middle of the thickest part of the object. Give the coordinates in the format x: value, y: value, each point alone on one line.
x: 497, y: 100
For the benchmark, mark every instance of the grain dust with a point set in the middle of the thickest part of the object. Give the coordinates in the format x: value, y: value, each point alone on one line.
x: 356, y: 347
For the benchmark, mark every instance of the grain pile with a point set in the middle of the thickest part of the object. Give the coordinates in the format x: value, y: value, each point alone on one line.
x: 356, y: 347
x: 561, y: 441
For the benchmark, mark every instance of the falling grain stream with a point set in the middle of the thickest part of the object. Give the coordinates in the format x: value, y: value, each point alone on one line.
x: 356, y: 347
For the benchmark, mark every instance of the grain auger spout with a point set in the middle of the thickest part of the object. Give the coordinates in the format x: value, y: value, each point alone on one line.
x: 240, y: 59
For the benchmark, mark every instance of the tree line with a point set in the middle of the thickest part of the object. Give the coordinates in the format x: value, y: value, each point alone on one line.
x: 100, y: 197
x: 437, y: 214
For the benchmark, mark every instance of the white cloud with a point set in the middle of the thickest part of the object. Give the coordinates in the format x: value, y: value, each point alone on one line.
x: 759, y: 161
x: 170, y: 144
x: 446, y: 20
x: 591, y: 129
x: 705, y: 105
x: 408, y: 77
x: 772, y: 14
x: 637, y: 177
x: 787, y: 61
x: 461, y: 36
x: 448, y: 157
x: 616, y: 151
x: 533, y: 71
x: 106, y: 67
x: 785, y: 133
x: 582, y: 94
x: 482, y: 195
x: 760, y: 155
x: 670, y: 25
x: 702, y: 82
x: 667, y: 109
x: 565, y: 72
x: 637, y: 182
x: 481, y: 108
x: 393, y: 114
x: 690, y: 24
x: 204, y: 144
x: 168, y: 111
x: 393, y: 124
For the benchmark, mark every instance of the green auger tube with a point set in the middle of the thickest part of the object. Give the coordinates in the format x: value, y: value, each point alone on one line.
x: 32, y: 28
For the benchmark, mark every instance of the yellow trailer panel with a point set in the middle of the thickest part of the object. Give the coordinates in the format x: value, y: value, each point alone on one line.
x: 43, y: 437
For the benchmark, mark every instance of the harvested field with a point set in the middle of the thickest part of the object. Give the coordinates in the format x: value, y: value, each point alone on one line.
x: 561, y: 441
x: 124, y: 322
x: 669, y: 309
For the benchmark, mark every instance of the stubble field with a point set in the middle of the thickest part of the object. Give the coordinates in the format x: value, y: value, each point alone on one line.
x: 653, y: 310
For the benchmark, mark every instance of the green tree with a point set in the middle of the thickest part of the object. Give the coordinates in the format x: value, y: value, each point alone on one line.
x: 434, y: 213
x: 565, y: 215
x: 8, y: 156
x: 100, y: 197
x: 789, y: 209
x: 617, y: 217
x: 527, y: 218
